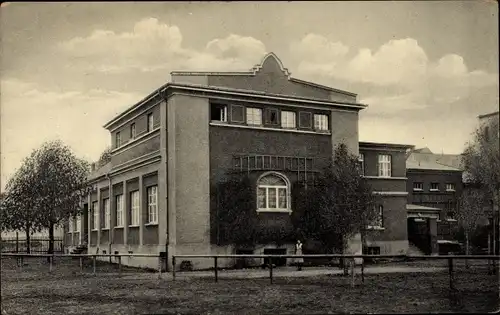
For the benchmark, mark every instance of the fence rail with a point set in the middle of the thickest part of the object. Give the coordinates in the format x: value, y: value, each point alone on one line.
x: 349, y: 258
x: 20, y: 259
x: 37, y: 245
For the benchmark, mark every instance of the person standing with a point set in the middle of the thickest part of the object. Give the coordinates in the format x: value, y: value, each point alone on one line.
x: 298, y: 251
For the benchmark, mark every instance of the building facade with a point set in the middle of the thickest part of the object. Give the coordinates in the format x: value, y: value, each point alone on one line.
x: 434, y: 186
x: 384, y: 166
x: 170, y: 150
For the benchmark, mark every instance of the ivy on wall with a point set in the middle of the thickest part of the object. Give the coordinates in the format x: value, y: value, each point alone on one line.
x: 236, y: 220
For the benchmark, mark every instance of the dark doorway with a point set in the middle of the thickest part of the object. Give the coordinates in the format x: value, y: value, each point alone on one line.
x: 419, y: 234
x: 275, y: 251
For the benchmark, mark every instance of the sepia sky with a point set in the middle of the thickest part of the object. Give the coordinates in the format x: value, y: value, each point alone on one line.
x: 426, y: 69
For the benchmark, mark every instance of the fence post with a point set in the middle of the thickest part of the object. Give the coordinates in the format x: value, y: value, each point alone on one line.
x: 352, y: 272
x: 363, y: 270
x: 271, y: 269
x: 160, y: 261
x: 173, y: 268
x: 17, y: 242
x: 51, y: 258
x: 81, y: 264
x: 120, y: 265
x: 215, y: 268
x: 93, y: 264
x: 450, y: 271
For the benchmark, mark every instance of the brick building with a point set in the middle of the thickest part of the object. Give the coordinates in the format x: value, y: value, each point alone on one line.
x: 434, y: 185
x: 170, y: 150
x: 384, y: 166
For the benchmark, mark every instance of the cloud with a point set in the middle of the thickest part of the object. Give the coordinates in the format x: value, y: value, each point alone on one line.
x: 152, y: 46
x: 395, y: 77
x: 32, y: 115
x: 400, y: 62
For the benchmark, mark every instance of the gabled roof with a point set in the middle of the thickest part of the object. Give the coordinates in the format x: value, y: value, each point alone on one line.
x: 423, y: 150
x: 420, y: 160
x: 269, y: 57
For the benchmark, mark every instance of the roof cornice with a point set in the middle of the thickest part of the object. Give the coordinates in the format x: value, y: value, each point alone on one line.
x: 230, y: 91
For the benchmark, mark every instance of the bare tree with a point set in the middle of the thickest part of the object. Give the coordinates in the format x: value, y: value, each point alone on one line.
x: 470, y: 213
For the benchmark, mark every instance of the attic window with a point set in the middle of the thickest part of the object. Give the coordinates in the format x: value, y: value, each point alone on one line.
x: 272, y: 116
x: 305, y: 120
x: 218, y: 112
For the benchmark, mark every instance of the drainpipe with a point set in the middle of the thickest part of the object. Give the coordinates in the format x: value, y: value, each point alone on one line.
x: 111, y: 234
x: 161, y: 94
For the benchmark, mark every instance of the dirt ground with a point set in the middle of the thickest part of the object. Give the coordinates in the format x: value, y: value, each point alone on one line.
x: 67, y: 291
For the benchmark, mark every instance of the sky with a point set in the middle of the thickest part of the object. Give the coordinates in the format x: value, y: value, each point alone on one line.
x: 425, y: 69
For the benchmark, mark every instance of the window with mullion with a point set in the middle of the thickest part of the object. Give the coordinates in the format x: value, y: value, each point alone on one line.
x: 152, y: 204
x: 288, y: 119
x: 106, y: 214
x: 134, y: 208
x: 78, y: 223
x: 254, y: 116
x: 272, y: 197
x: 384, y: 165
x: 95, y: 215
x: 119, y: 210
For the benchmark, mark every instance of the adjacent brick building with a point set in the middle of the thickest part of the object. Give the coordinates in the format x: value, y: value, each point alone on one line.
x: 171, y: 149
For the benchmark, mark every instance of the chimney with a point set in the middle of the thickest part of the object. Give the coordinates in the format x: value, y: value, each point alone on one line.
x: 92, y: 167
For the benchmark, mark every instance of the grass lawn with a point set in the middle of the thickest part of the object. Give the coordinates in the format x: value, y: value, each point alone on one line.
x: 34, y: 291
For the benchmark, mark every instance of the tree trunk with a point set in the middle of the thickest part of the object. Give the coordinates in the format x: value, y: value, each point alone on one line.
x: 28, y: 240
x: 344, y: 261
x: 466, y: 249
x: 51, y: 241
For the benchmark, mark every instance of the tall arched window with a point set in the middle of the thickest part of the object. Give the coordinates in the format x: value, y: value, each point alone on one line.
x: 273, y: 193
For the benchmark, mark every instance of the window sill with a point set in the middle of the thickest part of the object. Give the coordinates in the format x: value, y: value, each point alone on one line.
x: 434, y: 190
x: 450, y: 190
x: 94, y: 230
x: 260, y: 127
x: 143, y: 136
x: 105, y: 229
x: 118, y: 227
x: 386, y: 177
x: 133, y: 226
x: 274, y: 211
x: 376, y: 228
x: 151, y: 224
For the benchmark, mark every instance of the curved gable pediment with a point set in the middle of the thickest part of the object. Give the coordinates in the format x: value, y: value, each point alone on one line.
x: 271, y: 64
